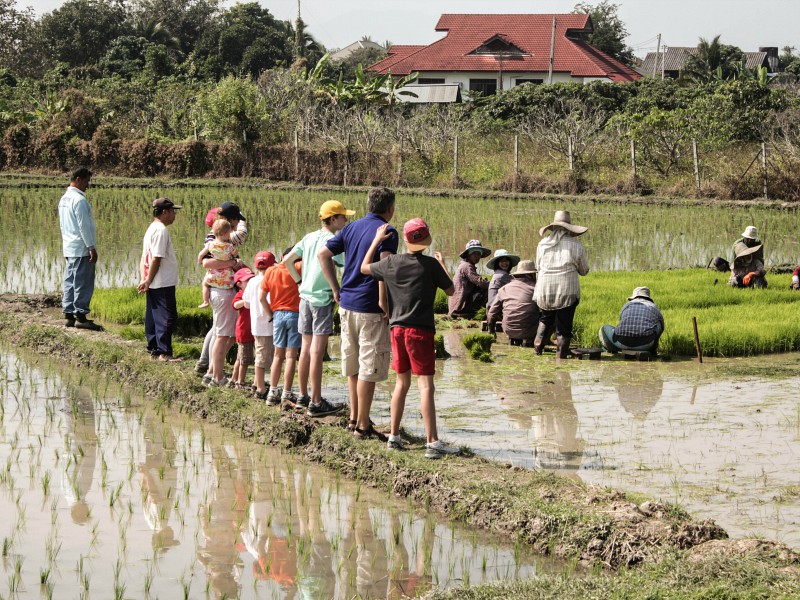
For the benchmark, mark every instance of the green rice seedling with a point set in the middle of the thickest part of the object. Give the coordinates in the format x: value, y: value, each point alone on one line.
x: 479, y: 346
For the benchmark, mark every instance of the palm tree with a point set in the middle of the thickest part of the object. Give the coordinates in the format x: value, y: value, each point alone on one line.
x: 155, y: 32
x: 714, y: 61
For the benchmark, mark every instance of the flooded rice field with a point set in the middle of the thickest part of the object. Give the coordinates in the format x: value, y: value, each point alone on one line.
x: 105, y: 496
x: 621, y: 237
x: 721, y: 446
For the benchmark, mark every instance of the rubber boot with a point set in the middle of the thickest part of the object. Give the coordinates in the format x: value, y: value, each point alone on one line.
x: 562, y: 344
x: 543, y: 335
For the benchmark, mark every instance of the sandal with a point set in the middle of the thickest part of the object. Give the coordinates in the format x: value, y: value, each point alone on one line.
x: 369, y: 433
x: 351, y: 425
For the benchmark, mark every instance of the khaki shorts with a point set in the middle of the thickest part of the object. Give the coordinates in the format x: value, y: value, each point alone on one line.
x: 366, y: 346
x: 264, y: 351
x: 224, y: 314
x: 245, y: 357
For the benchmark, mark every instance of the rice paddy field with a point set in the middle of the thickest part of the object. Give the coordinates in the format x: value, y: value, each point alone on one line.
x: 110, y: 495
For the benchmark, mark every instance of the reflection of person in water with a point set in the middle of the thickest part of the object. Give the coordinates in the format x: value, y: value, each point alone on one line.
x: 556, y: 444
x: 158, y: 480
x: 219, y: 523
x: 639, y: 390
x: 78, y: 474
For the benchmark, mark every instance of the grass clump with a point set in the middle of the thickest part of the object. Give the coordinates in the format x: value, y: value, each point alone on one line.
x: 479, y: 346
x: 438, y: 342
x: 440, y: 306
x: 125, y: 306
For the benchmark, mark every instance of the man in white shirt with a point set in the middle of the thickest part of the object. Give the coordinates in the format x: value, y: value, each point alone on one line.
x: 158, y: 269
x: 79, y: 240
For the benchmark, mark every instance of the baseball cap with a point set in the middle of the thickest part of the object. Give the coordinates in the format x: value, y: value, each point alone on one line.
x: 264, y: 260
x: 229, y: 210
x: 164, y: 203
x: 417, y: 234
x: 331, y: 208
x: 211, y: 216
x: 242, y: 274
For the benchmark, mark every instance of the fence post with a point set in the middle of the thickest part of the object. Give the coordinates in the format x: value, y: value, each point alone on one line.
x: 346, y: 160
x: 296, y: 156
x: 633, y: 158
x: 696, y: 168
x: 764, y: 168
x: 516, y: 161
x: 400, y: 161
x: 569, y: 154
x: 455, y: 160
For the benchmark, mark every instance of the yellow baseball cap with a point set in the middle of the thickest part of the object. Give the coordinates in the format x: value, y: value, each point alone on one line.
x: 331, y: 208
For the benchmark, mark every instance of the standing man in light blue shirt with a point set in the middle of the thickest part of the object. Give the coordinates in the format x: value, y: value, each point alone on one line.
x: 79, y: 237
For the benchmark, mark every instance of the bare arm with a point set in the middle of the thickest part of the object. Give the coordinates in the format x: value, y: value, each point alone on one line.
x: 155, y: 264
x: 202, y: 254
x: 213, y: 263
x: 325, y: 257
x: 288, y: 262
x: 262, y: 298
x: 239, y: 304
x: 475, y: 279
x: 380, y: 235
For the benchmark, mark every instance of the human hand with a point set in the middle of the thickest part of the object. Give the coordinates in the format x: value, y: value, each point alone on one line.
x: 143, y: 287
x: 748, y: 278
x: 92, y: 256
x: 493, y: 329
x: 336, y: 296
x: 381, y: 234
x: 438, y: 256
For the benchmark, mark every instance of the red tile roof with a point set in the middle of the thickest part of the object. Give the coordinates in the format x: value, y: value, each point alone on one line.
x: 530, y: 33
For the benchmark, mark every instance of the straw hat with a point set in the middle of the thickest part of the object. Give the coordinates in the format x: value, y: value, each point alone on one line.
x: 475, y: 246
x: 750, y: 232
x: 525, y: 267
x: 563, y: 220
x: 502, y: 253
x: 742, y: 250
x: 641, y: 292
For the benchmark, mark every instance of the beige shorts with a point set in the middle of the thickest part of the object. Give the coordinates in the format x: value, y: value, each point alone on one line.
x: 224, y: 314
x: 366, y: 345
x: 264, y: 351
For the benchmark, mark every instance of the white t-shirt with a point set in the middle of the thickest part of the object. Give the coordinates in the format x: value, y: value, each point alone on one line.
x: 259, y: 324
x: 157, y: 243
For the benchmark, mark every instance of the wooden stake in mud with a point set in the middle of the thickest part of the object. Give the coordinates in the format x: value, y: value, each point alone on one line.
x: 764, y: 168
x: 697, y: 341
x: 696, y: 170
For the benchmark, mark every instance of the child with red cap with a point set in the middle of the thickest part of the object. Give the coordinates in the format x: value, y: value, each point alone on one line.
x: 244, y: 335
x: 260, y: 322
x: 411, y: 281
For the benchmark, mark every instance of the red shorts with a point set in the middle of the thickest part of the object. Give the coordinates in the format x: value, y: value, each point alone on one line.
x: 413, y: 349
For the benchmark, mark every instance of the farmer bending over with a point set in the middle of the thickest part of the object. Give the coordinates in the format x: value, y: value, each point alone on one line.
x: 640, y: 325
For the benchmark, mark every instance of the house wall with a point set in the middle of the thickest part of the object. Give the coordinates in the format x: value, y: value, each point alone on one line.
x: 509, y: 77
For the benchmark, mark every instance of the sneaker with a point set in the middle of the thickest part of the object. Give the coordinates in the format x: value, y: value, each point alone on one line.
x: 439, y: 449
x: 221, y: 383
x: 169, y: 358
x: 288, y: 398
x: 324, y: 408
x: 69, y: 320
x: 261, y: 395
x: 207, y: 379
x: 395, y: 444
x: 302, y: 402
x: 273, y: 397
x: 201, y: 369
x: 88, y: 325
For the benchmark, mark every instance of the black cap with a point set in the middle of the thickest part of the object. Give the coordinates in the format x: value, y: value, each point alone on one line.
x: 231, y: 211
x: 164, y: 203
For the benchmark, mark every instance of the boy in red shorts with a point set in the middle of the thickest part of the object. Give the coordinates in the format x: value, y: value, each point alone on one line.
x: 411, y: 281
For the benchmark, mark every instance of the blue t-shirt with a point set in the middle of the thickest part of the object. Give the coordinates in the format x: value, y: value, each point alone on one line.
x: 360, y: 292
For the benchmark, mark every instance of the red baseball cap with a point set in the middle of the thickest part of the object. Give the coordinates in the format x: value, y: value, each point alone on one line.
x: 417, y: 234
x: 243, y: 274
x: 211, y: 216
x: 264, y: 260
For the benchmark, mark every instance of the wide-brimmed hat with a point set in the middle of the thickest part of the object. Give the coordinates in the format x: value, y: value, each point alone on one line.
x: 750, y: 232
x: 502, y: 253
x: 475, y: 246
x: 525, y: 267
x: 741, y: 249
x: 417, y: 235
x: 641, y: 292
x: 563, y: 220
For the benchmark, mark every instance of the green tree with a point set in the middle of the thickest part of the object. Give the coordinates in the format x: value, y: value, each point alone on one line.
x: 125, y: 56
x: 17, y: 31
x: 233, y: 110
x: 81, y: 31
x: 714, y: 61
x: 609, y: 31
x: 184, y: 20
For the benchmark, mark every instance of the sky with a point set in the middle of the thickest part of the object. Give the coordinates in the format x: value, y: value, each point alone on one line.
x: 748, y: 24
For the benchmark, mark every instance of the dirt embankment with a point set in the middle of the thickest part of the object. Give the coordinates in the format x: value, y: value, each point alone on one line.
x: 555, y: 515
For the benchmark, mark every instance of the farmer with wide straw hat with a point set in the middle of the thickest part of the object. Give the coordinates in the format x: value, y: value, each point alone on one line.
x: 501, y: 264
x: 561, y: 258
x: 750, y: 239
x: 748, y: 270
x: 471, y: 289
x: 515, y: 308
x: 640, y: 325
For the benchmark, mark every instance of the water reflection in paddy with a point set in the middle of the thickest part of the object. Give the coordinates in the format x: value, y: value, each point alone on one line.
x: 103, y: 497
x: 722, y: 447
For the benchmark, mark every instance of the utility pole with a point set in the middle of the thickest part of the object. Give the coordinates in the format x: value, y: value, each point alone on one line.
x: 658, y: 53
x: 552, y: 52
x: 663, y: 61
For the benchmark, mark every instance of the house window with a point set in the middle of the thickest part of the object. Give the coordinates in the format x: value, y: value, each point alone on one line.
x: 487, y: 87
x: 430, y: 80
x: 531, y: 81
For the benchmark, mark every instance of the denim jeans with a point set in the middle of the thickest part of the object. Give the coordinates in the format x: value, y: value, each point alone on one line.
x: 160, y: 319
x: 78, y: 285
